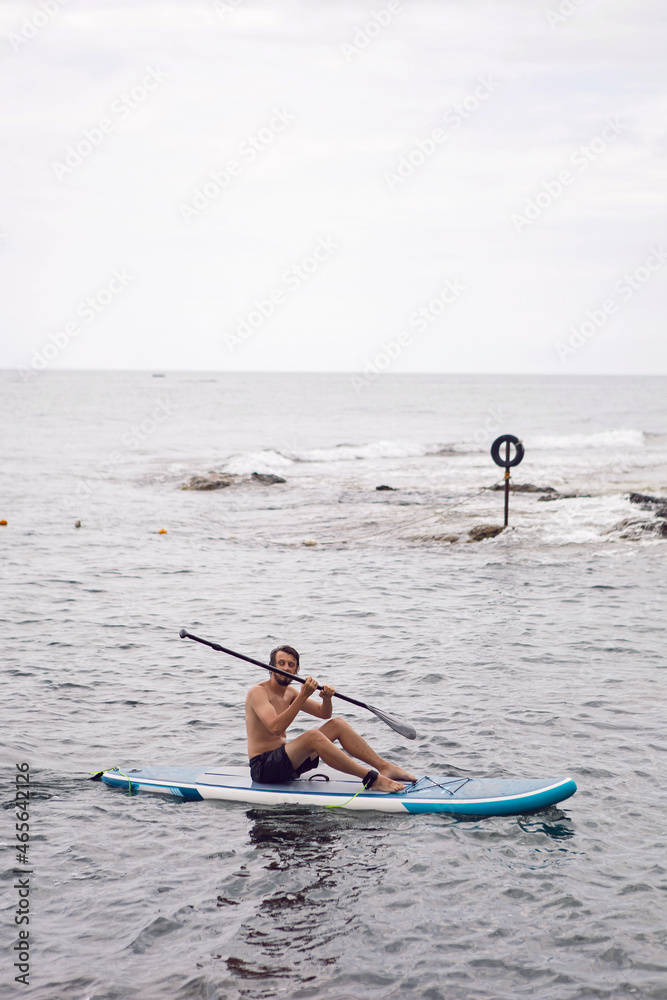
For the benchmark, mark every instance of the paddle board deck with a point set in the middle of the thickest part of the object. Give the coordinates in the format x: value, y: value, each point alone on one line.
x: 462, y: 796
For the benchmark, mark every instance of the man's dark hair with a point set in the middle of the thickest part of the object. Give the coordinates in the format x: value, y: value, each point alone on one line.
x: 283, y: 649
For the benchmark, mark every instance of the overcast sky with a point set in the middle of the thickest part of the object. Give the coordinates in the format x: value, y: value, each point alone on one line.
x: 448, y: 185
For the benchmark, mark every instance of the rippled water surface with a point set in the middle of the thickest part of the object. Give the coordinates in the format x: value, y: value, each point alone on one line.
x: 540, y: 652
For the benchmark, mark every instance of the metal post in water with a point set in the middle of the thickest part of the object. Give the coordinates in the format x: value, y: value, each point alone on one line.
x: 507, y: 482
x: 507, y: 440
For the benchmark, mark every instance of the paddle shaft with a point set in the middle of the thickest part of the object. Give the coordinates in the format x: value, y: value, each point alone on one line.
x: 275, y: 670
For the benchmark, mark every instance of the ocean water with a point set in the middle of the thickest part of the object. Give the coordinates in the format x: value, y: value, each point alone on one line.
x: 540, y: 652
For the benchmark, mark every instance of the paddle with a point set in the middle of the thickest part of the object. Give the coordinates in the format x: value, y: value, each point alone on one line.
x: 400, y: 727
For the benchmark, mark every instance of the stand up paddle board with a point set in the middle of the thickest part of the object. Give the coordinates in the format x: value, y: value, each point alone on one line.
x: 462, y: 796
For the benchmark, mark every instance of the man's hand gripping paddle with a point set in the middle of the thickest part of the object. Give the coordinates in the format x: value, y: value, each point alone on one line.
x: 400, y: 727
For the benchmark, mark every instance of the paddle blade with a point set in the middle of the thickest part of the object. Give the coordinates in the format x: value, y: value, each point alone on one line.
x: 403, y: 728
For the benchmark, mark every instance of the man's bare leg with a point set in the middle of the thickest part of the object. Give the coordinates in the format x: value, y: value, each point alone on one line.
x: 352, y: 742
x: 316, y: 741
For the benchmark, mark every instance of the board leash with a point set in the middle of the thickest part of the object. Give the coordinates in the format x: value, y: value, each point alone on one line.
x: 366, y: 782
x: 339, y: 805
x: 97, y: 776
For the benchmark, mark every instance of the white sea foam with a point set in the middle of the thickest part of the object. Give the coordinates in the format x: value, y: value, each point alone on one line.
x: 372, y: 450
x: 622, y: 438
x: 257, y: 461
x: 273, y: 460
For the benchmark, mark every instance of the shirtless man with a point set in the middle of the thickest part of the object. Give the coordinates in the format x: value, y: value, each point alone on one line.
x: 272, y: 706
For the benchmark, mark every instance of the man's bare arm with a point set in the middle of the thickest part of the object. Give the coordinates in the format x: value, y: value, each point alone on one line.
x: 320, y: 709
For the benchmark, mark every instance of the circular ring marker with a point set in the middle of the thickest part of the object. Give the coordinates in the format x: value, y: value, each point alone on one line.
x: 506, y: 439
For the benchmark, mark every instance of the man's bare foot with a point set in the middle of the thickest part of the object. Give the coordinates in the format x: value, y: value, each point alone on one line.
x: 397, y: 773
x: 384, y: 784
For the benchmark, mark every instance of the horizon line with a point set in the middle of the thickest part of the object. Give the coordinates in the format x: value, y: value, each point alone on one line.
x: 154, y: 371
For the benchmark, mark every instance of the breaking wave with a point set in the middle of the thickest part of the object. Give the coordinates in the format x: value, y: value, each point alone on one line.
x: 272, y: 460
x: 276, y: 461
x: 601, y: 439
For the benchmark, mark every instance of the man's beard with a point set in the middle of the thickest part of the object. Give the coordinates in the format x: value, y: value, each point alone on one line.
x: 283, y: 681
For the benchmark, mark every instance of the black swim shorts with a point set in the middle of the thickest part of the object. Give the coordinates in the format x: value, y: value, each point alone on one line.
x: 275, y: 768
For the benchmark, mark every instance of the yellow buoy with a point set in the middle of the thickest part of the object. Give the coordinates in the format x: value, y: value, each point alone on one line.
x: 162, y: 531
x: 3, y: 522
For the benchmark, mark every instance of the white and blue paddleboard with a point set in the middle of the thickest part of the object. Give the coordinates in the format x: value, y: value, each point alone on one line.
x: 462, y: 796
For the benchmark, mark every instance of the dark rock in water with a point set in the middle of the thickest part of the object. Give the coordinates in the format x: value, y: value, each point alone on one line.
x: 386, y: 488
x: 211, y: 481
x: 632, y: 529
x: 647, y: 502
x: 563, y: 496
x: 525, y: 488
x: 434, y: 538
x: 483, y: 531
x: 219, y: 480
x: 656, y: 506
x: 266, y: 478
x: 656, y: 526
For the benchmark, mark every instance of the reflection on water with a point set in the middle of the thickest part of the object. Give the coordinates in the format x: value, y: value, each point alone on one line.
x: 315, y: 875
x: 553, y: 822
